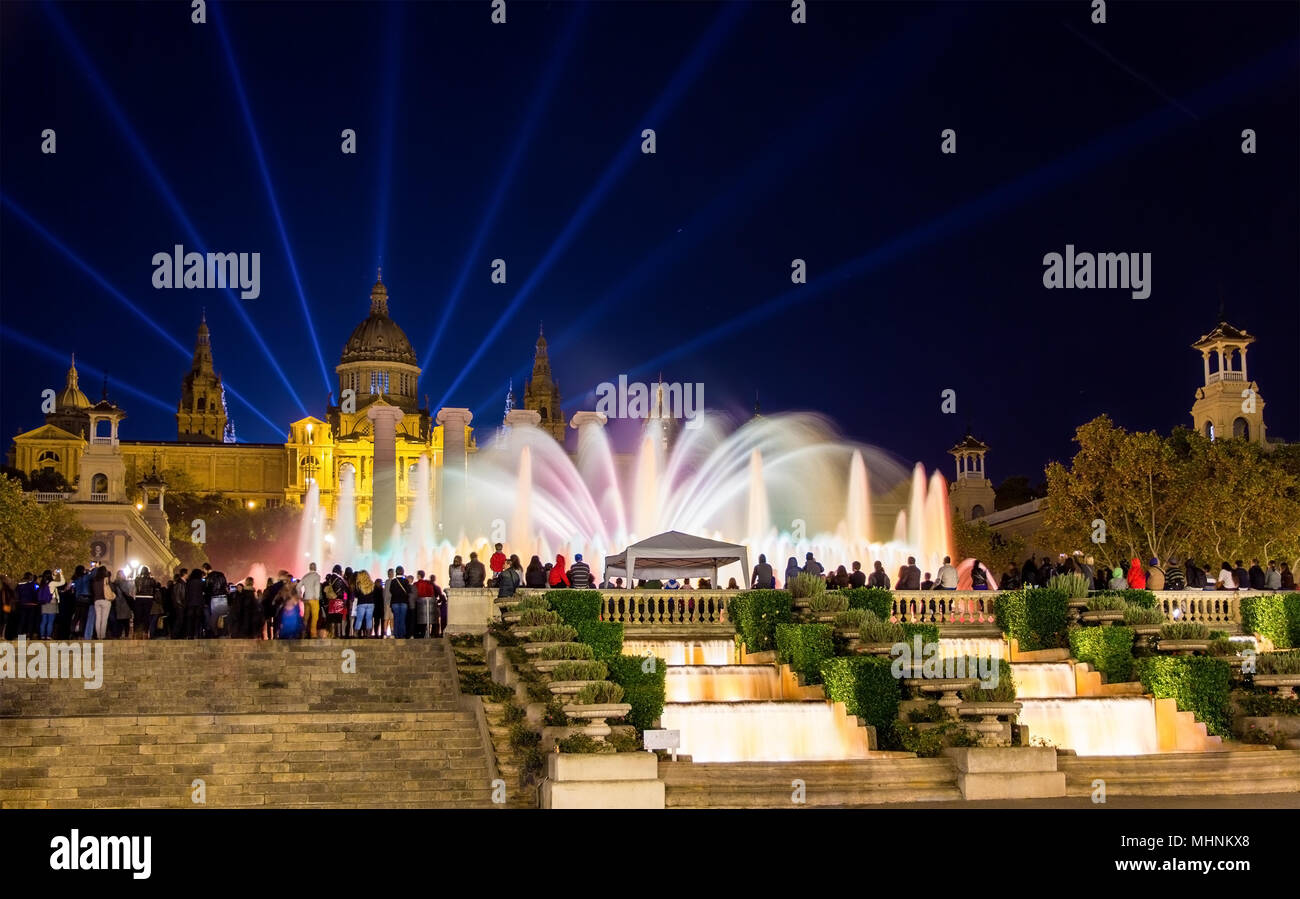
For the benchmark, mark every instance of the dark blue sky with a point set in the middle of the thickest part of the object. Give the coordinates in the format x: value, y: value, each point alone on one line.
x: 775, y: 141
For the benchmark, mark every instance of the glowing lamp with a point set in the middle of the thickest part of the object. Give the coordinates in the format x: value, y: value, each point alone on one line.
x: 251, y: 504
x: 139, y: 506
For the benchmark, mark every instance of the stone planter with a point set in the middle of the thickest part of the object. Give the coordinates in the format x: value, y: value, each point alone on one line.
x: 947, y: 688
x: 1185, y: 647
x: 992, y: 729
x: 568, y: 687
x: 876, y: 649
x: 1077, y: 608
x: 596, y: 715
x: 1103, y: 619
x: 535, y: 649
x: 1285, y: 684
x: 1147, y: 633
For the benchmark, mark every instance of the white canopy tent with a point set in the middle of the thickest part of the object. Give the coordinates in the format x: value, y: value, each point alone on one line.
x: 674, y: 554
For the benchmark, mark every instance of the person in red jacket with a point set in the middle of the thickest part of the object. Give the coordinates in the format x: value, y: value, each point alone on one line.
x: 1137, y: 578
x: 498, y: 561
x: 558, y: 576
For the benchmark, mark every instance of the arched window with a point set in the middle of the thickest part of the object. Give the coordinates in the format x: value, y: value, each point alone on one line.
x: 1209, y: 429
x: 1241, y: 428
x: 47, y: 460
x: 348, y: 470
x: 202, y: 404
x: 977, y: 511
x: 99, y: 483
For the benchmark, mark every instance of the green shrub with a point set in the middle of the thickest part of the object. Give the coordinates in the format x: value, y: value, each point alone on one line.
x: 1222, y: 646
x: 1100, y: 603
x: 1074, y: 586
x: 1138, y: 615
x: 867, y: 687
x: 806, y: 586
x: 1278, y: 663
x: 1218, y: 635
x: 521, y: 735
x: 599, y: 692
x: 554, y: 715
x: 1275, y: 616
x: 873, y: 599
x: 566, y: 651
x: 1039, y: 618
x: 1184, y: 630
x: 1005, y: 691
x: 756, y: 613
x: 531, y: 602
x: 554, y: 633
x: 580, y: 671
x: 513, y: 712
x: 642, y: 680
x: 929, y: 633
x: 1264, y: 704
x: 575, y: 606
x: 537, y: 691
x: 874, y: 630
x: 1107, y: 649
x: 538, y: 618
x: 581, y: 743
x: 853, y: 619
x: 624, y: 740
x: 604, y: 637
x: 930, y: 742
x: 1143, y: 598
x: 827, y: 603
x: 1198, y: 684
x: 804, y: 647
x: 930, y: 714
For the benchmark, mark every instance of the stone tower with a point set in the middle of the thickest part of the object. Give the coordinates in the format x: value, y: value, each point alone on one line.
x: 201, y: 417
x: 542, y: 394
x: 971, y: 496
x: 1228, y: 404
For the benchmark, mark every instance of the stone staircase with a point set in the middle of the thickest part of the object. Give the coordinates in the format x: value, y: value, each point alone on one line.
x: 838, y: 784
x: 264, y: 724
x: 1257, y: 769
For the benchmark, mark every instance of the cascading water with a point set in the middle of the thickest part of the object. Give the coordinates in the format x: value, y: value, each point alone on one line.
x: 722, y: 683
x: 684, y: 652
x: 1115, y: 725
x: 1044, y: 680
x: 765, y: 731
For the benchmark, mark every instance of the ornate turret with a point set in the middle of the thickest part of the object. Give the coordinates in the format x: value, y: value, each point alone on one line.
x: 202, y: 416
x: 971, y: 495
x: 1228, y: 404
x: 542, y: 394
x: 378, y: 360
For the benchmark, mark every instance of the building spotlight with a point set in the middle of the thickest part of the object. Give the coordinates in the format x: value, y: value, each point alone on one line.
x: 251, y: 504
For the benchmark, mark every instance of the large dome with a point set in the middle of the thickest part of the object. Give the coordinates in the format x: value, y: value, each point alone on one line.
x: 378, y: 338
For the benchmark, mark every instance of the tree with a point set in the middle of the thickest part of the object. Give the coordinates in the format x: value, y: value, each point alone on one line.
x: 35, y: 536
x: 1181, y: 495
x: 976, y: 540
x: 1015, y: 491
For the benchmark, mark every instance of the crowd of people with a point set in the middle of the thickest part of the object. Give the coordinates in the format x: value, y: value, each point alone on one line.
x: 95, y: 603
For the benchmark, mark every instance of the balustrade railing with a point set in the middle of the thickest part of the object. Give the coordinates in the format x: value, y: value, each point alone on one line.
x: 944, y: 606
x: 47, y: 496
x: 1205, y: 607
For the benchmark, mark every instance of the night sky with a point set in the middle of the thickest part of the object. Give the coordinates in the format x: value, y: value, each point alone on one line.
x: 775, y: 141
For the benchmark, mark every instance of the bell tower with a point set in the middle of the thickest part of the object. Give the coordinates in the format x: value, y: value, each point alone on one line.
x: 971, y: 496
x: 1228, y: 404
x: 542, y: 394
x: 201, y: 416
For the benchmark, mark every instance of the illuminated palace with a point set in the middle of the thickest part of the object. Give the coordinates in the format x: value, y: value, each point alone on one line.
x: 378, y: 366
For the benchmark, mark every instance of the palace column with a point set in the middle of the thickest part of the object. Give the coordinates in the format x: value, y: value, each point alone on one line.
x: 453, y: 472
x: 383, y: 515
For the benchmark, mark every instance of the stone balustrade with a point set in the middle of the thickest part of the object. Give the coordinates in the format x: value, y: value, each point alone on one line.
x: 651, y: 607
x: 944, y: 606
x: 1204, y: 606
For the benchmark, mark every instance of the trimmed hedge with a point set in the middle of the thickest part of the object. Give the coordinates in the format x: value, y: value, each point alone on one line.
x: 604, y: 637
x: 873, y: 599
x: 756, y: 613
x: 1107, y: 649
x: 1199, y: 684
x: 867, y: 687
x: 1005, y: 691
x: 1039, y: 618
x: 1144, y: 598
x: 575, y: 605
x: 929, y: 632
x: 804, y: 647
x: 1275, y: 616
x: 642, y: 689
